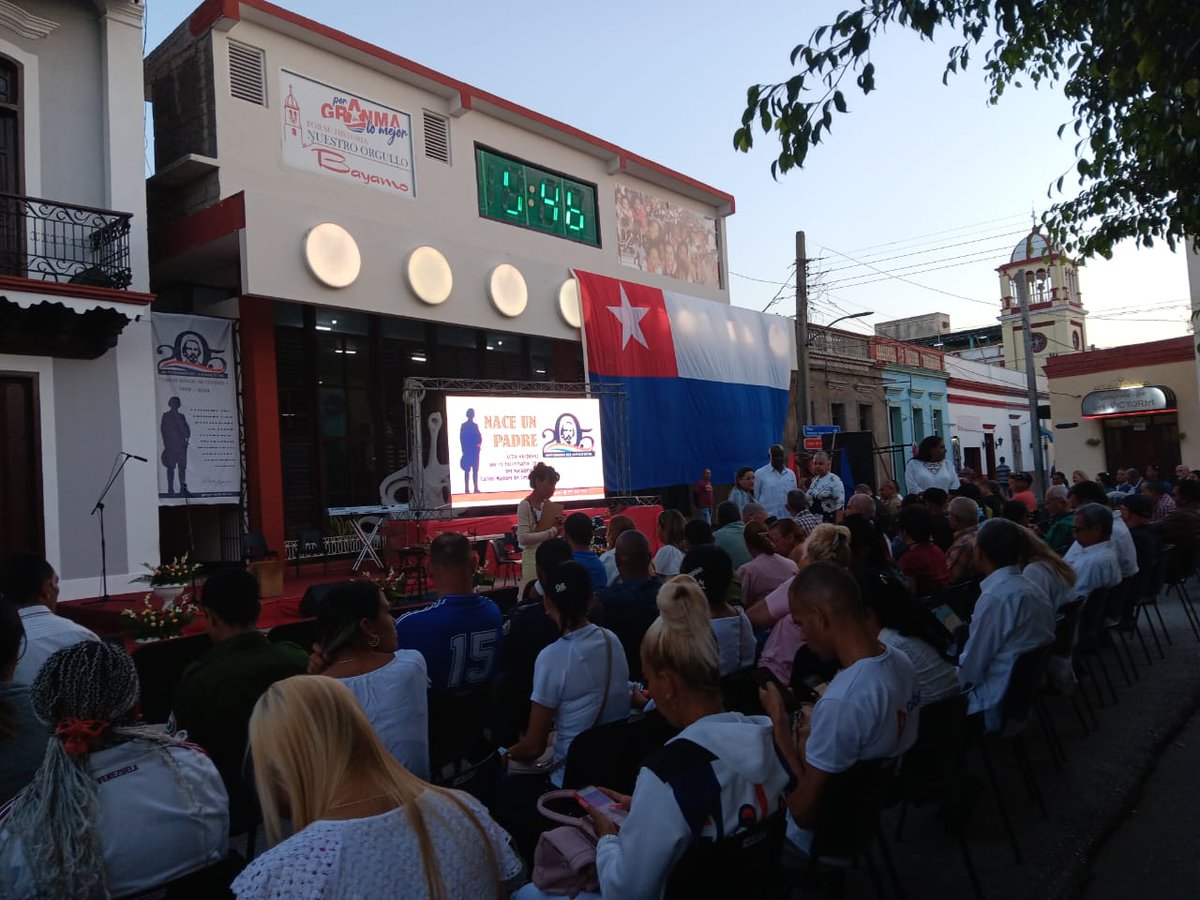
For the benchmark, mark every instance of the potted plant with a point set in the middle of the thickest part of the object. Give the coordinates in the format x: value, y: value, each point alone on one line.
x: 154, y: 624
x: 483, y: 578
x: 391, y: 584
x: 168, y: 580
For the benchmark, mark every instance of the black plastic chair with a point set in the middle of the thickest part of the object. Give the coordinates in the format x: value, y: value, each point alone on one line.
x: 934, y: 771
x: 1147, y: 598
x: 310, y: 545
x: 1176, y: 570
x: 1087, y: 648
x: 611, y: 755
x: 160, y: 667
x: 506, y: 559
x: 210, y: 883
x: 1066, y: 636
x: 742, y: 865
x: 462, y: 754
x: 254, y: 547
x: 1122, y: 604
x: 303, y: 633
x: 411, y: 570
x: 1018, y: 708
x: 848, y: 825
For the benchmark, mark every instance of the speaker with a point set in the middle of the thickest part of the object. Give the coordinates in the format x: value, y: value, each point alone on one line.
x: 853, y: 454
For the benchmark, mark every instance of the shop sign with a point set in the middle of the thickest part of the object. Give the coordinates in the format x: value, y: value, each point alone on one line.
x: 340, y: 135
x: 1140, y: 401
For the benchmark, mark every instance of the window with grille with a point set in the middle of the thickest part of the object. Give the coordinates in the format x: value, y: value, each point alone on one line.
x: 247, y: 73
x: 437, y: 137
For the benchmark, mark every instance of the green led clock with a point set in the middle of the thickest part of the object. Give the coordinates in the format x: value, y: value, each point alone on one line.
x: 532, y: 197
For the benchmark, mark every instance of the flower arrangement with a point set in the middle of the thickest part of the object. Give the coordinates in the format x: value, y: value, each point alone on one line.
x: 483, y: 578
x: 152, y: 623
x: 390, y: 583
x: 177, y: 571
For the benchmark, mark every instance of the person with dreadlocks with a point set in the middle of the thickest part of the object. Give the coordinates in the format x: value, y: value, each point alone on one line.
x: 114, y: 809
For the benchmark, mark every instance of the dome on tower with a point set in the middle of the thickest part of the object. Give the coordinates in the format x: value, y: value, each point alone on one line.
x: 1032, y: 246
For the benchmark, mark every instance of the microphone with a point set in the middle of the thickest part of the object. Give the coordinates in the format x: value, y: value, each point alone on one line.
x: 135, y: 456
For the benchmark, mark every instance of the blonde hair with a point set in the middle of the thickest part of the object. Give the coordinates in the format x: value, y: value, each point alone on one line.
x: 670, y: 527
x: 681, y: 638
x: 1034, y: 549
x: 830, y: 543
x: 308, y: 737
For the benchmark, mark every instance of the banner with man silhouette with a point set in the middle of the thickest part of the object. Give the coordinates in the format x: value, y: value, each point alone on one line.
x: 196, y: 388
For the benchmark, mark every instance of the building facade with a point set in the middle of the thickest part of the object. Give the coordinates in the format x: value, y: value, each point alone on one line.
x: 76, y: 383
x: 1057, y: 319
x: 989, y: 418
x: 917, y: 398
x: 366, y: 220
x: 1126, y: 406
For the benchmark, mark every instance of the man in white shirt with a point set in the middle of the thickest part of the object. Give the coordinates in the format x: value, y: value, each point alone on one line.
x: 1091, y: 492
x: 869, y: 710
x: 31, y: 584
x: 1012, y: 617
x: 826, y: 492
x: 1093, y: 556
x: 772, y: 483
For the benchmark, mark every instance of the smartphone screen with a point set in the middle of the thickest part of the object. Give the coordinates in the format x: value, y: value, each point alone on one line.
x: 595, y: 798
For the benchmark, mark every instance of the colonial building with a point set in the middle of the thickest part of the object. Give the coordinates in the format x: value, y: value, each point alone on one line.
x: 989, y: 417
x: 366, y: 219
x: 76, y: 385
x: 1057, y: 319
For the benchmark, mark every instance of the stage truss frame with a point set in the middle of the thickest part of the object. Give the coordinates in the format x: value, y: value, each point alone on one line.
x: 416, y: 389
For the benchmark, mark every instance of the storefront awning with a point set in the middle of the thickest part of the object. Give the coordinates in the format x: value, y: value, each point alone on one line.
x: 1132, y: 401
x: 50, y: 328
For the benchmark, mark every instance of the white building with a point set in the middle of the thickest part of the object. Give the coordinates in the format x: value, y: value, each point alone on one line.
x: 989, y: 417
x: 76, y: 384
x: 367, y: 219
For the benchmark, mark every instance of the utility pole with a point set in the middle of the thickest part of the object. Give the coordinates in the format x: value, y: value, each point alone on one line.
x: 1035, y: 425
x: 803, y: 400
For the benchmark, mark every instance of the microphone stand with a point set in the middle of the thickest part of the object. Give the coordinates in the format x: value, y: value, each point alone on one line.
x: 99, y: 507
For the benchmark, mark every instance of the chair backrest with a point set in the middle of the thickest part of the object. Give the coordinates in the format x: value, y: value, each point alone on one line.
x: 303, y: 633
x: 613, y: 754
x: 1153, y: 585
x: 1176, y: 567
x: 310, y: 542
x: 960, y: 597
x: 1066, y: 628
x: 456, y: 722
x: 1091, y: 617
x: 742, y: 865
x: 848, y: 816
x: 160, y: 667
x: 937, y: 754
x: 1026, y: 679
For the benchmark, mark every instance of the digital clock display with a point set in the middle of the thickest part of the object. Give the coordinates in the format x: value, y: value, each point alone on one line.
x: 532, y: 197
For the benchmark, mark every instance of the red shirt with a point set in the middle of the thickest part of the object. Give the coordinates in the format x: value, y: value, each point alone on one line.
x: 703, y: 491
x: 926, y: 564
x: 1028, y: 499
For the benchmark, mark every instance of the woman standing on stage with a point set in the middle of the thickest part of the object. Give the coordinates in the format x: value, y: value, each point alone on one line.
x: 543, y: 479
x: 930, y: 468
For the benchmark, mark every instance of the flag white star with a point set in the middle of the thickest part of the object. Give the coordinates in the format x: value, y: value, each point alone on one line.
x: 630, y: 318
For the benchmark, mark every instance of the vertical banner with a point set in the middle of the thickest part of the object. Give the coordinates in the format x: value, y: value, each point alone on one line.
x: 198, y: 447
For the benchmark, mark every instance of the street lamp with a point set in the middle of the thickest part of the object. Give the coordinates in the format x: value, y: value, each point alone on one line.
x: 803, y: 401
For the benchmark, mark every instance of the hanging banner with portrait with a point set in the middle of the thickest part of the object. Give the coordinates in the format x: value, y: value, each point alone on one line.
x: 196, y: 389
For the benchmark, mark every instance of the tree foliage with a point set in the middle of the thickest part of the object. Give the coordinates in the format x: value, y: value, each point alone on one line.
x: 1130, y: 68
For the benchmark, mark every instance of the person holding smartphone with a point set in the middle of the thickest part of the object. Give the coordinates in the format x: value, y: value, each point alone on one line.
x: 724, y: 763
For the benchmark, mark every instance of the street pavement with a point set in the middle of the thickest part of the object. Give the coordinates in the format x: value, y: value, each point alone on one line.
x: 1090, y: 846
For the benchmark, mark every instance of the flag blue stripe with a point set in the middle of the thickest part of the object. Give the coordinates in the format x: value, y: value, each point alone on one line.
x: 677, y: 427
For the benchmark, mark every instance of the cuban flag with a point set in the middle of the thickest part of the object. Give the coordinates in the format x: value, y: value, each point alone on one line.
x: 707, y: 385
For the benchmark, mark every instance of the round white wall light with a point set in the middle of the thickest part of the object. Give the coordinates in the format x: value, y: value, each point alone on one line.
x: 568, y: 303
x: 331, y: 255
x: 429, y: 275
x: 508, y: 291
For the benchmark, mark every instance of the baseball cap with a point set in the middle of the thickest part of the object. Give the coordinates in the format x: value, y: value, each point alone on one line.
x: 712, y: 568
x: 569, y: 580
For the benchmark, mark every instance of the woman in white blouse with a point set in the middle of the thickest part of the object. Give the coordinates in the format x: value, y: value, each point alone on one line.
x: 670, y: 534
x: 930, y: 468
x: 543, y: 479
x: 363, y: 825
x: 356, y: 639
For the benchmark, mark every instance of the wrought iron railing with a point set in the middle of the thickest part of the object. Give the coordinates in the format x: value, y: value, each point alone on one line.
x: 50, y: 241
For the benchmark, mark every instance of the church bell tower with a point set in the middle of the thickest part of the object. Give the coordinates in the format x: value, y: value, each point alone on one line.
x: 1058, y: 321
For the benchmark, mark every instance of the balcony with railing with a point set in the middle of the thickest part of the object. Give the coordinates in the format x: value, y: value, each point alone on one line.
x: 45, y: 240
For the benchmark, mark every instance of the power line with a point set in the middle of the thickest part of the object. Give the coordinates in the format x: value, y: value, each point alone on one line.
x: 936, y: 249
x: 966, y: 259
x: 909, y: 281
x: 867, y: 250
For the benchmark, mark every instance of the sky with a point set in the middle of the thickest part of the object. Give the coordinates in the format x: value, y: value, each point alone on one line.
x: 916, y: 198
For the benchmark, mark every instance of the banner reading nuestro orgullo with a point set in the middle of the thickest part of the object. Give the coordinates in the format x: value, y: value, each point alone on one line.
x: 196, y: 388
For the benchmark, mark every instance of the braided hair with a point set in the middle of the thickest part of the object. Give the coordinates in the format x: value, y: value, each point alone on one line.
x: 87, y: 693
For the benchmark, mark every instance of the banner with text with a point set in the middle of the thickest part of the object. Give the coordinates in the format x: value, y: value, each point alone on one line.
x: 500, y: 439
x: 198, y: 447
x: 341, y: 135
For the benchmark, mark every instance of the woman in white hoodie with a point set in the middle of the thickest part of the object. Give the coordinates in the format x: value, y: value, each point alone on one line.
x: 724, y: 765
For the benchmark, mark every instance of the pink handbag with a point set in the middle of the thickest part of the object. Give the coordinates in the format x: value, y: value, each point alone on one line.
x: 564, y: 861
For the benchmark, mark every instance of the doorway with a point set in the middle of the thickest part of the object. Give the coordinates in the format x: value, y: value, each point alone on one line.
x: 12, y: 237
x: 972, y: 458
x: 1141, y: 440
x: 21, y: 529
x: 989, y: 454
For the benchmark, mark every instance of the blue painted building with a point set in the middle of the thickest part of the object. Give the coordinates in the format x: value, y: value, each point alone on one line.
x: 915, y: 393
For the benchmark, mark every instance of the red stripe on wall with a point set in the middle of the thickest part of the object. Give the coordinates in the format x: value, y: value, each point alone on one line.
x: 199, y: 228
x: 260, y: 400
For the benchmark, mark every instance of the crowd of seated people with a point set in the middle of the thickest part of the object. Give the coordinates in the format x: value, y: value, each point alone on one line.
x: 329, y: 746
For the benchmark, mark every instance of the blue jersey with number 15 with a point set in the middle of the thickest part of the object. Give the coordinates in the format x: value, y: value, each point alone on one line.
x: 459, y: 636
